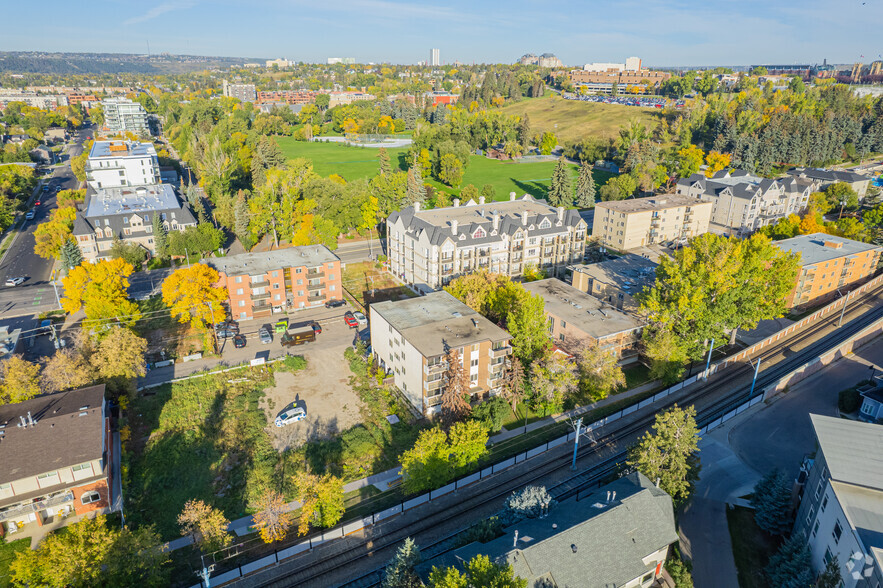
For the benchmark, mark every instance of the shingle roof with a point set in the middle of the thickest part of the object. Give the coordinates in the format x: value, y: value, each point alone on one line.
x: 592, y: 543
x: 742, y: 184
x: 69, y: 430
x: 828, y: 175
x: 813, y: 249
x: 853, y: 450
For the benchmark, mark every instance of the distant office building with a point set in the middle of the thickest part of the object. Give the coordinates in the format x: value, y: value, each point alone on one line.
x: 244, y: 92
x: 631, y: 64
x: 628, y: 224
x: 123, y: 115
x: 122, y: 163
x: 826, y: 177
x: 786, y: 70
x: 287, y: 97
x: 601, y: 77
x: 544, y: 60
x: 616, y: 281
x: 434, y: 57
x: 338, y: 98
x: 441, y: 97
x: 278, y: 63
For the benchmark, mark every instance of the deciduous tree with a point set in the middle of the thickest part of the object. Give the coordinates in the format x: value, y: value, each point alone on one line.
x: 451, y: 171
x: 65, y: 370
x: 321, y: 499
x: 273, y: 518
x: 120, y: 355
x: 513, y: 383
x: 100, y: 289
x: 479, y: 571
x: 192, y: 296
x: 20, y: 380
x: 552, y: 379
x: 205, y: 524
x: 716, y: 162
x: 668, y: 354
x: 689, y: 161
x: 50, y: 236
x: 599, y: 373
x: 528, y: 327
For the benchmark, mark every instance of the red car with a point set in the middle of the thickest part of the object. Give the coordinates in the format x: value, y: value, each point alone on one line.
x: 350, y: 320
x: 36, y: 203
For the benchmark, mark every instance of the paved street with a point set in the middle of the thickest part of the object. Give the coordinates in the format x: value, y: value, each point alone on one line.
x: 355, y: 251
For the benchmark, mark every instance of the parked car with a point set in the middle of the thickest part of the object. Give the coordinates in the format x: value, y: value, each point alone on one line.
x: 292, y: 415
x: 226, y: 333
x: 334, y: 303
x: 45, y: 188
x: 282, y: 325
x: 14, y: 281
x: 37, y: 202
x: 265, y: 336
x: 30, y: 215
x: 239, y: 341
x: 360, y: 317
x: 350, y: 320
x: 228, y: 325
x: 317, y: 328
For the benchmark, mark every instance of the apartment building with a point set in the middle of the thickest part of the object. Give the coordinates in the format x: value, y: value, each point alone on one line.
x: 629, y: 224
x: 742, y: 203
x: 56, y: 453
x: 616, y: 281
x: 287, y: 97
x: 841, y: 504
x: 259, y: 284
x: 113, y: 164
x: 411, y: 338
x: 429, y: 248
x: 574, y: 317
x: 123, y: 115
x: 127, y: 213
x: 243, y: 92
x: 43, y: 101
x: 826, y: 177
x: 828, y: 264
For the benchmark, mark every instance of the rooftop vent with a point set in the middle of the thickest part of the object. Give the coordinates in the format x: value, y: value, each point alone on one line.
x: 833, y: 244
x: 456, y: 314
x: 573, y: 547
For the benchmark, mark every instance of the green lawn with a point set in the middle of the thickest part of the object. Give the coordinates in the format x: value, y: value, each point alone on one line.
x: 355, y: 162
x: 635, y: 375
x: 752, y: 547
x: 7, y: 555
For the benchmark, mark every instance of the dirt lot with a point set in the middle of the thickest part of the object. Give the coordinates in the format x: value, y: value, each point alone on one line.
x: 322, y: 389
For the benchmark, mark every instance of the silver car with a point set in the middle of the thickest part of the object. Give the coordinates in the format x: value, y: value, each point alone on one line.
x: 265, y: 335
x: 292, y: 415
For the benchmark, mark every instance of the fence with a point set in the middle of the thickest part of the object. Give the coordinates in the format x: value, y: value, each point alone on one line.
x: 803, y: 371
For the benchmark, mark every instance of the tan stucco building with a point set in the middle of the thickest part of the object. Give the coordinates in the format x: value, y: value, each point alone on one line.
x: 629, y: 224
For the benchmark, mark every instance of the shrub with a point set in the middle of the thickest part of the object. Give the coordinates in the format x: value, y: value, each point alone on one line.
x: 527, y: 503
x: 492, y: 412
x: 849, y: 400
x: 291, y: 363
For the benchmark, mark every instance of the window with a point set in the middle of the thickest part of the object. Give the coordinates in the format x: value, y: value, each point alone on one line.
x: 238, y: 279
x: 243, y: 315
x: 824, y: 503
x: 125, y: 220
x: 815, y: 528
x: 867, y: 408
x: 278, y: 297
x: 300, y: 292
x: 828, y: 555
x: 275, y: 274
x: 297, y: 271
x: 838, y: 531
x: 90, y: 497
x: 332, y: 288
x: 819, y: 488
x: 330, y: 276
x: 810, y: 514
x: 242, y: 303
x: 474, y: 363
x: 240, y: 291
x: 49, y: 479
x: 563, y: 324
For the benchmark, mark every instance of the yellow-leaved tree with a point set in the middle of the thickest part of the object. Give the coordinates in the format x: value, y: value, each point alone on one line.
x: 273, y: 517
x: 101, y: 290
x: 19, y: 380
x: 192, y: 295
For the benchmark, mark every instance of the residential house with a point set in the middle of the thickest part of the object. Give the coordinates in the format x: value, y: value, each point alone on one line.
x: 616, y: 281
x: 576, y: 316
x: 127, y: 213
x: 872, y: 400
x: 55, y: 134
x: 122, y: 163
x: 628, y: 224
x: 827, y: 177
x: 743, y: 203
x: 828, y: 265
x: 44, y: 154
x: 283, y: 280
x: 122, y: 115
x: 841, y: 505
x: 411, y: 339
x: 618, y: 535
x: 429, y: 248
x: 56, y: 453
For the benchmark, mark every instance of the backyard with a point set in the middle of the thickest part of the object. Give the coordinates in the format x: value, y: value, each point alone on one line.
x: 752, y: 548
x: 8, y: 549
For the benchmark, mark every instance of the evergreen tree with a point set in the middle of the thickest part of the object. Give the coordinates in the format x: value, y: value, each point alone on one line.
x: 71, y: 256
x: 561, y: 187
x: 585, y: 187
x: 160, y: 236
x: 266, y: 155
x: 241, y: 218
x: 791, y: 566
x: 399, y: 571
x: 772, y: 502
x: 416, y: 189
x: 524, y: 131
x: 830, y: 576
x: 385, y: 167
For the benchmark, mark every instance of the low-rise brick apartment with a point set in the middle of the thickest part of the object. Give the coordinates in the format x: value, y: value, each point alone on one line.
x: 828, y: 264
x: 259, y: 284
x: 629, y: 224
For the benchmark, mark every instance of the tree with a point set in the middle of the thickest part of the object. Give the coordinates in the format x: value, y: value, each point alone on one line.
x: 469, y: 192
x: 399, y: 572
x: 479, y: 571
x: 120, y: 355
x: 716, y: 162
x: 451, y: 171
x: 689, y: 161
x: 528, y: 503
x: 489, y: 193
x: 772, y: 502
x: 436, y: 457
x: 160, y: 237
x: 132, y: 253
x: 70, y: 255
x: 791, y: 565
x: 669, y: 454
x: 266, y: 155
x: 840, y: 195
x: 66, y: 370
x: 78, y: 164
x: 529, y: 329
x: 203, y: 238
x: 192, y: 295
x: 513, y: 383
x: 100, y: 289
x: 599, y: 373
x: 585, y: 187
x: 385, y: 167
x: 679, y: 570
x: 51, y: 235
x: 618, y: 188
x: 416, y: 188
x: 523, y: 130
x: 667, y: 354
x: 818, y: 203
x: 492, y: 412
x: 552, y: 379
x: 205, y: 524
x: 547, y: 143
x: 20, y: 380
x: 455, y: 394
x: 560, y: 187
x: 831, y: 576
x: 273, y: 517
x: 321, y: 499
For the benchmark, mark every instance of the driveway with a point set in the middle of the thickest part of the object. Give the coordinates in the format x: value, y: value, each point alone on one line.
x: 322, y: 389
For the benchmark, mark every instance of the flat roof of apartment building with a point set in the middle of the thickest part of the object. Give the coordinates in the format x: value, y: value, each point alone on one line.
x: 116, y: 149
x: 630, y: 272
x: 126, y: 199
x: 438, y: 321
x: 581, y: 310
x: 659, y: 202
x: 819, y: 247
x: 263, y: 262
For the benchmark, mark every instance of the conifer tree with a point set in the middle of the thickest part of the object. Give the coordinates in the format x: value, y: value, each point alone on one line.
x: 385, y: 166
x: 791, y: 566
x: 772, y: 502
x: 71, y: 256
x: 561, y: 187
x: 399, y: 571
x: 585, y: 187
x: 160, y: 236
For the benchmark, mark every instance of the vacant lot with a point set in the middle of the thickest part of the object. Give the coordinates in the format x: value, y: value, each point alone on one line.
x: 572, y: 120
x: 368, y: 282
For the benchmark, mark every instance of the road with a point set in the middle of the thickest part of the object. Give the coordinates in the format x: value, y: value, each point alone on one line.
x: 36, y: 294
x: 357, y: 251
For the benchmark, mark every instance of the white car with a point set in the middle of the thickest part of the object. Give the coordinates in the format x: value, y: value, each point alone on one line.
x: 292, y: 415
x: 14, y: 281
x: 30, y: 215
x: 360, y: 318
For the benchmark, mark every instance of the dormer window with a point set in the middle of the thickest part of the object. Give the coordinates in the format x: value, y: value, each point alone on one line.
x: 125, y: 220
x: 479, y: 233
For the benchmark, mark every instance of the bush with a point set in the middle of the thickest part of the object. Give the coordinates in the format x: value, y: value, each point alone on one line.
x: 527, y: 503
x: 492, y: 413
x: 291, y: 363
x: 679, y: 570
x: 483, y: 531
x: 849, y: 400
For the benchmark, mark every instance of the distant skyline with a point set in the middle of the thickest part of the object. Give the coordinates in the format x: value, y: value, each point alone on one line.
x: 662, y: 33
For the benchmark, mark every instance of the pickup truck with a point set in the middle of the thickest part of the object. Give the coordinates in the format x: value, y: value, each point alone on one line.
x: 298, y: 336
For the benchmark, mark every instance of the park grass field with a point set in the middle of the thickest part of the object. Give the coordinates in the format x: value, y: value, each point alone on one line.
x: 577, y: 120
x: 353, y: 163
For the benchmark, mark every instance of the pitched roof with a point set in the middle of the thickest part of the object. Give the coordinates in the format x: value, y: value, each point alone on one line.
x: 853, y: 450
x: 591, y: 543
x: 828, y: 175
x: 68, y: 430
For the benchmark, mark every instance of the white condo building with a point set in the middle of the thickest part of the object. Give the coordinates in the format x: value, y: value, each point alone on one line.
x: 113, y: 164
x: 122, y: 115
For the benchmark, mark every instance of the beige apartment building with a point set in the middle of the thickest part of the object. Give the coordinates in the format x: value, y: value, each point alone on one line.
x: 628, y: 224
x: 616, y: 281
x: 411, y: 338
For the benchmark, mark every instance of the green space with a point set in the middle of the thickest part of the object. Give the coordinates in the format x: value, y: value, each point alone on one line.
x: 636, y: 374
x: 573, y: 120
x: 8, y: 549
x: 752, y: 548
x: 369, y: 283
x: 505, y: 176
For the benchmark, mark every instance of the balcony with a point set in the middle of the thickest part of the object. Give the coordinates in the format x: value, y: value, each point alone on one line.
x: 262, y: 284
x: 435, y: 368
x: 317, y: 286
x: 501, y: 352
x: 433, y: 386
x: 24, y: 510
x: 315, y: 273
x: 264, y: 296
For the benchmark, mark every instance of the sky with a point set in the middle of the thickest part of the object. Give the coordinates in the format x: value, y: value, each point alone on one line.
x: 661, y: 32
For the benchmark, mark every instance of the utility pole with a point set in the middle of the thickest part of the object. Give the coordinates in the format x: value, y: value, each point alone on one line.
x: 205, y: 573
x: 214, y: 325
x: 708, y: 363
x: 843, y: 310
x: 754, y: 380
x: 579, y: 424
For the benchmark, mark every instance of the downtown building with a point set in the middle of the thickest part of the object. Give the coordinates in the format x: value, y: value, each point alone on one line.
x: 242, y: 92
x: 429, y: 248
x: 122, y: 115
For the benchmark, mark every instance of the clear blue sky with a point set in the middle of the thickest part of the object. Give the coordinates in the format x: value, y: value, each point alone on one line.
x: 670, y: 32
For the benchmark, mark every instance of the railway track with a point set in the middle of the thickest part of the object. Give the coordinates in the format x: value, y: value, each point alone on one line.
x: 616, y: 433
